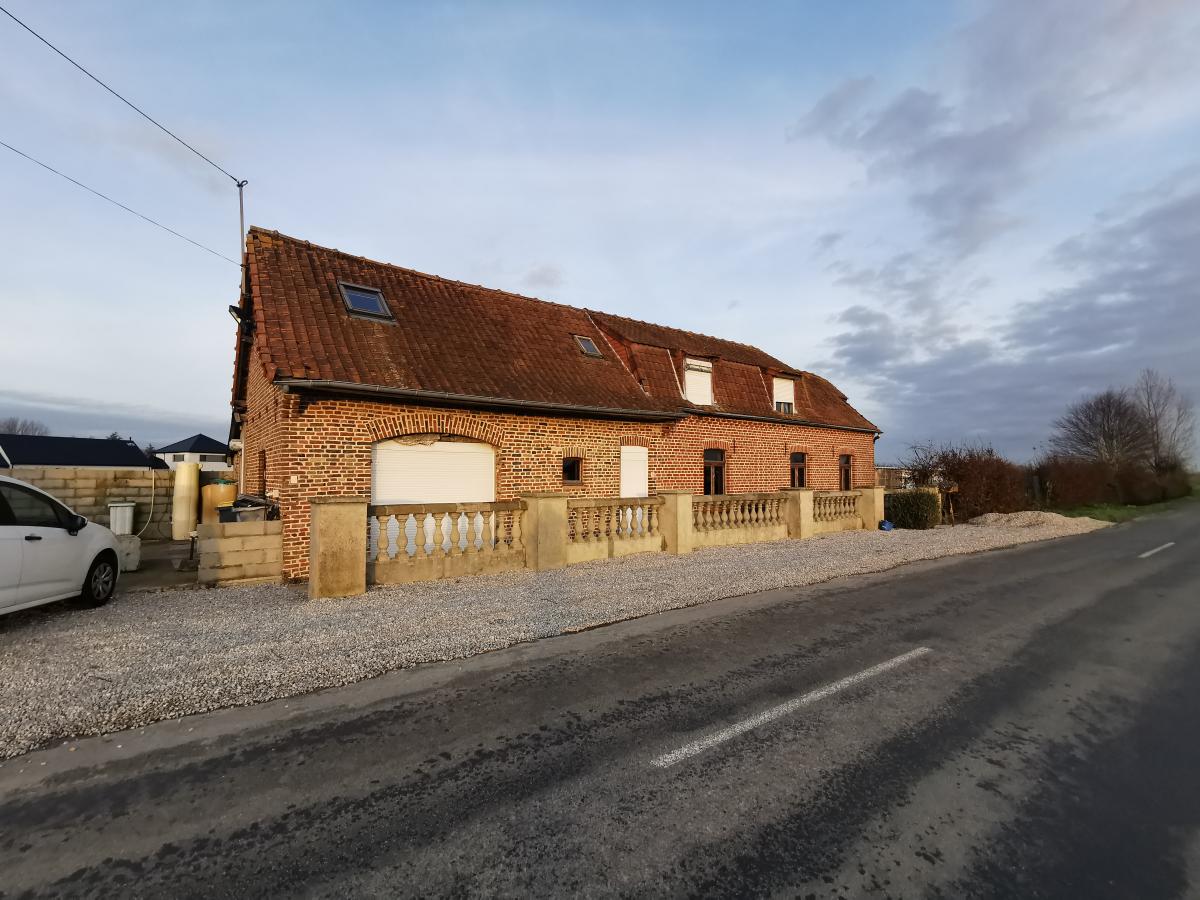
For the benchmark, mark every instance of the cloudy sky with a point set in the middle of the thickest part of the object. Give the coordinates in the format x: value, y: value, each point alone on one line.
x: 966, y: 214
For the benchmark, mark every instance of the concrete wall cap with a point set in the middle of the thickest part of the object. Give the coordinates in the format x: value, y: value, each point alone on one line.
x: 337, y: 499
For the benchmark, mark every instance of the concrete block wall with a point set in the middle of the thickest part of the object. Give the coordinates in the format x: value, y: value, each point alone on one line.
x: 89, y: 490
x: 233, y: 551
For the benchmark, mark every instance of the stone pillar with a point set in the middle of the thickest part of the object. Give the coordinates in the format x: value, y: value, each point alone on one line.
x: 544, y: 530
x: 870, y: 507
x: 337, y: 547
x: 675, y: 521
x: 798, y: 512
x: 185, y: 497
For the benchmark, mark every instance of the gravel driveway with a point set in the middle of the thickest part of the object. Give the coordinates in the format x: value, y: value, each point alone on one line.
x: 150, y: 656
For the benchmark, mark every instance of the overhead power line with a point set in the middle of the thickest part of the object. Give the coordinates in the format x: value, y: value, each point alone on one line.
x: 117, y: 203
x: 128, y: 103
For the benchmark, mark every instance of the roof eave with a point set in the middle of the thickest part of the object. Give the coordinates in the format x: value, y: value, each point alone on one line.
x: 780, y: 420
x: 471, y: 400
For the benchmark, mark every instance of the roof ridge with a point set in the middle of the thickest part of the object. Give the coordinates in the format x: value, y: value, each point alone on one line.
x: 482, y: 287
x: 69, y: 437
x: 417, y: 272
x: 710, y: 337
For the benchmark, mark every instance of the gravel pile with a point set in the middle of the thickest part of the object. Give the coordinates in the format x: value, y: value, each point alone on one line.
x: 152, y: 656
x: 1032, y: 518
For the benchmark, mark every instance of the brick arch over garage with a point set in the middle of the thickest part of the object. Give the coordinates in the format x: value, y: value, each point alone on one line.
x: 434, y: 423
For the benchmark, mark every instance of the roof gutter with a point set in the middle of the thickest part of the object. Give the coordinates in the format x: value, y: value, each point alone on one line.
x: 371, y: 390
x: 779, y: 421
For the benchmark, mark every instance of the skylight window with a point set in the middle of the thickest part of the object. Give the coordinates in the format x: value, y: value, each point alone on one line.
x: 364, y: 301
x: 587, y: 345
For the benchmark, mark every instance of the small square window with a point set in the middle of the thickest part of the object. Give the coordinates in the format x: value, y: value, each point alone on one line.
x: 572, y: 470
x: 587, y: 345
x: 364, y: 301
x: 783, y: 407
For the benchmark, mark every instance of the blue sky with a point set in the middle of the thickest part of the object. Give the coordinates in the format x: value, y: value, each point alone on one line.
x: 965, y: 214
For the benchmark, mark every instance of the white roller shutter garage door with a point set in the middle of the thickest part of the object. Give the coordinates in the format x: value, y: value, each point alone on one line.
x: 441, y: 472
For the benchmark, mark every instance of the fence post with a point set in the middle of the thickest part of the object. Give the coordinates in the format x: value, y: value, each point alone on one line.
x: 544, y: 530
x: 676, y: 521
x: 870, y: 507
x: 798, y: 512
x: 337, y: 547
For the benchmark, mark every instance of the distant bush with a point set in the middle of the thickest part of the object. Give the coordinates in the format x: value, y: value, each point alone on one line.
x: 1176, y: 483
x: 1138, y: 485
x: 912, y: 509
x: 1068, y: 481
x: 976, y: 478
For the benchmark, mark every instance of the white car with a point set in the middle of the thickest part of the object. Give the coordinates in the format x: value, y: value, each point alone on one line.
x: 48, y: 553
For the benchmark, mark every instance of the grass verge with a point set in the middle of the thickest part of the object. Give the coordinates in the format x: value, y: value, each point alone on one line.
x: 1115, y: 512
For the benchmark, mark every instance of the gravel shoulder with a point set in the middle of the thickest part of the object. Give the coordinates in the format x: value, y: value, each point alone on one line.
x: 146, y: 657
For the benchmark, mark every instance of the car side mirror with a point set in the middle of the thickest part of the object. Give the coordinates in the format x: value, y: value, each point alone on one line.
x: 77, y: 524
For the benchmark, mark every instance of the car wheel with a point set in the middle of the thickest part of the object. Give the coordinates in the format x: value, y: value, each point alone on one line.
x: 101, y: 581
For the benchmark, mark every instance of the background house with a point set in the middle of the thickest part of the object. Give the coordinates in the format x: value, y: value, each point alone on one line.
x: 44, y: 450
x: 894, y: 478
x: 87, y: 474
x: 210, y: 453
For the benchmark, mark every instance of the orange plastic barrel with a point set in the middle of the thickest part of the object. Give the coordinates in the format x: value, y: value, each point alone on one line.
x: 212, y: 496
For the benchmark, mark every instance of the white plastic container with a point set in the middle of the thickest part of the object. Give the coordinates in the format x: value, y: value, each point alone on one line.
x: 120, y: 517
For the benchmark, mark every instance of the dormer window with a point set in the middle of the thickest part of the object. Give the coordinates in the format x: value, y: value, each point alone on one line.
x: 364, y: 301
x: 785, y: 395
x: 697, y: 381
x: 588, y: 346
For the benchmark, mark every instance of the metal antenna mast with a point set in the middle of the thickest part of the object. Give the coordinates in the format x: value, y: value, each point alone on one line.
x: 241, y: 185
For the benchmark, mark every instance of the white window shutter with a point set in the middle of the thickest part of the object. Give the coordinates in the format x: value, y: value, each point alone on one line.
x: 635, y: 472
x: 785, y: 390
x: 697, y: 382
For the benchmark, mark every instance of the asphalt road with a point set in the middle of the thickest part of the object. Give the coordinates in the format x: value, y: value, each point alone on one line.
x: 1028, y: 725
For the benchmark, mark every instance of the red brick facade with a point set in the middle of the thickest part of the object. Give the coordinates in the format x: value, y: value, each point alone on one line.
x: 297, y: 446
x: 306, y: 358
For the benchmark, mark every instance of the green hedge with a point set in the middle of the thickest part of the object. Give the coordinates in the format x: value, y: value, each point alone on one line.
x: 912, y: 509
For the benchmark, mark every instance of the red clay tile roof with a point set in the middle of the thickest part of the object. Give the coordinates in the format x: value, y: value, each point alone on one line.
x: 689, y: 342
x: 459, y: 339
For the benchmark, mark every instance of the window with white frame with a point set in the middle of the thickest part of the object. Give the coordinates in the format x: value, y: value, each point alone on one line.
x: 697, y: 382
x: 785, y: 395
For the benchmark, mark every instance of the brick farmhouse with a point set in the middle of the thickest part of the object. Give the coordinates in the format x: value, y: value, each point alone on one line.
x: 355, y: 377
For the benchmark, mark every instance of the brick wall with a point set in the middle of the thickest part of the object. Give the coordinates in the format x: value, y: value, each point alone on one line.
x: 263, y: 429
x: 758, y: 455
x: 316, y: 446
x: 88, y: 491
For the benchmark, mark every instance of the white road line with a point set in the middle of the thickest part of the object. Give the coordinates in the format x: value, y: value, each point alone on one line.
x: 777, y: 712
x: 1156, y: 549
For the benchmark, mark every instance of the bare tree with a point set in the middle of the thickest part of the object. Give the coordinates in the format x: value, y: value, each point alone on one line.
x: 1108, y: 427
x: 1170, y: 420
x: 15, y: 425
